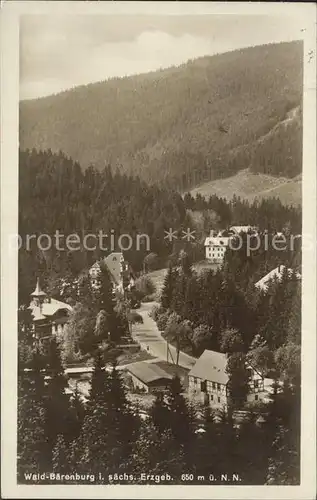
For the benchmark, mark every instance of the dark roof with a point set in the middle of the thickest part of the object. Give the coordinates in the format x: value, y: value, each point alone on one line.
x: 147, y: 372
x: 211, y: 366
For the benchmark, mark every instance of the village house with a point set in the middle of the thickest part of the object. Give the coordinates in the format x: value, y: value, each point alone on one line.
x: 275, y: 275
x: 148, y: 377
x: 216, y: 244
x: 49, y: 315
x: 208, y: 381
x: 120, y: 271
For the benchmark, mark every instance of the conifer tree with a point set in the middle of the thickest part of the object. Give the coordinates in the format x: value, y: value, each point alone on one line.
x: 124, y: 428
x: 283, y: 431
x: 238, y: 380
x: 168, y: 288
x: 160, y: 413
x: 157, y: 453
x: 93, y: 441
x: 33, y: 451
x: 179, y: 294
x: 104, y: 300
x: 60, y: 456
x: 75, y: 418
x: 181, y: 421
x: 56, y: 400
x: 207, y: 444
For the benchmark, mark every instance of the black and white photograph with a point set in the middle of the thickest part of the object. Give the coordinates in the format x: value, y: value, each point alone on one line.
x: 163, y: 184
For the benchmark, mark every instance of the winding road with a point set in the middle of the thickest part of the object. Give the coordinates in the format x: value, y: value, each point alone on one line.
x: 150, y: 339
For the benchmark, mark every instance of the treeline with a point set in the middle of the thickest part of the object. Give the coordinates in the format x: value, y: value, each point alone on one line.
x: 105, y: 435
x: 56, y: 194
x: 268, y: 214
x: 184, y: 125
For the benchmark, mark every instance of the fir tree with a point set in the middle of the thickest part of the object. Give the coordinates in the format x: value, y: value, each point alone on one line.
x: 60, y: 456
x: 181, y: 422
x: 56, y: 400
x: 238, y: 380
x: 33, y: 451
x: 168, y: 288
x: 76, y: 417
x: 160, y: 413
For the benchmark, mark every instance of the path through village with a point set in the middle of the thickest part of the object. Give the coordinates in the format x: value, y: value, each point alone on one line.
x: 150, y: 339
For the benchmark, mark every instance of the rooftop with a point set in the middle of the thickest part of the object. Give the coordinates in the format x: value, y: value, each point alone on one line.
x: 38, y: 292
x: 48, y: 309
x: 211, y: 366
x: 147, y: 372
x: 275, y: 274
x: 217, y: 241
x: 242, y: 229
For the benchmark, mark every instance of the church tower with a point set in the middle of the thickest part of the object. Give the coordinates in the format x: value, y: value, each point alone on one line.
x: 38, y: 296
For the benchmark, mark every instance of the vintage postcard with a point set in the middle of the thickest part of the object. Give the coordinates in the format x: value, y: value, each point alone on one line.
x: 158, y: 220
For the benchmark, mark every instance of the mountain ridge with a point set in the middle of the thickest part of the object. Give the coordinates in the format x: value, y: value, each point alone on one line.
x: 181, y: 125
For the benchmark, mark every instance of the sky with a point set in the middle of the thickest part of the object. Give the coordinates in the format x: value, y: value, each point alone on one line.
x: 60, y: 52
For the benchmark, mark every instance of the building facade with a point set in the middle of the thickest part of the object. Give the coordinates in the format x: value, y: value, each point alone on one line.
x: 215, y: 248
x: 148, y: 377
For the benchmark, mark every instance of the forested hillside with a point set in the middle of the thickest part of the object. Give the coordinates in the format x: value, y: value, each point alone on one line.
x: 206, y: 119
x: 56, y: 194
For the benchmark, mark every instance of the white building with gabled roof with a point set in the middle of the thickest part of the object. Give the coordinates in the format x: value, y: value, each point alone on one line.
x: 208, y: 379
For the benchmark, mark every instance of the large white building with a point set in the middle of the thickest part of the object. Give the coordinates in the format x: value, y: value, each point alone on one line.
x: 215, y: 248
x: 207, y: 381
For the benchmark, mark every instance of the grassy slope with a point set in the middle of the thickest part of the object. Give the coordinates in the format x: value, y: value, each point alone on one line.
x: 249, y: 186
x: 168, y: 123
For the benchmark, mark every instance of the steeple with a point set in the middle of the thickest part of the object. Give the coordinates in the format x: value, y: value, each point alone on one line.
x: 38, y: 294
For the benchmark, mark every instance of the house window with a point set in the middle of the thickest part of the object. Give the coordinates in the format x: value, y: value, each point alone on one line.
x: 218, y: 387
x: 256, y: 384
x: 114, y: 258
x: 211, y: 397
x: 256, y: 397
x: 214, y: 385
x: 203, y: 386
x: 195, y: 380
x: 218, y: 399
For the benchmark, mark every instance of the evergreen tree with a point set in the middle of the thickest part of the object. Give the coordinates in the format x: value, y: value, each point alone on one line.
x: 168, y: 288
x: 283, y: 431
x: 104, y: 300
x: 56, y: 400
x: 157, y: 453
x: 207, y: 444
x: 238, y: 380
x: 76, y: 417
x: 160, y: 413
x: 181, y: 421
x: 179, y: 294
x: 33, y: 454
x: 60, y: 456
